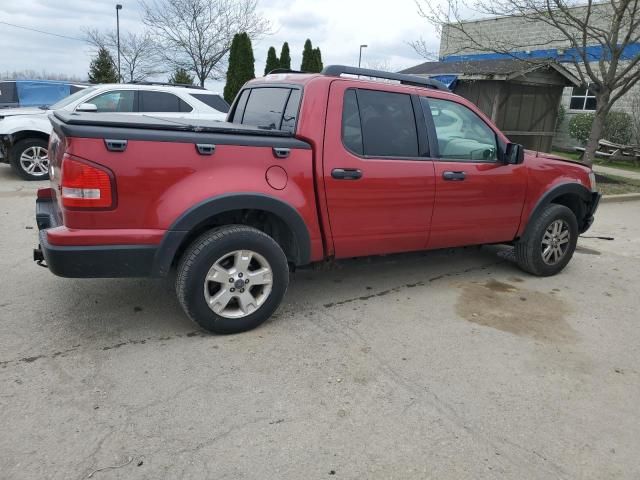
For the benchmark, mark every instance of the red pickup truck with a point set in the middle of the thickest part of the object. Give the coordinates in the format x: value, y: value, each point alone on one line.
x: 307, y: 167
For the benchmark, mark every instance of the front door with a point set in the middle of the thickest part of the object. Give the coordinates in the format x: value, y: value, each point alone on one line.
x: 379, y: 182
x: 478, y: 199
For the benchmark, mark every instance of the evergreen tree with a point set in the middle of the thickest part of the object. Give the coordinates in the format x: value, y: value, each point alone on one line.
x: 272, y: 61
x: 181, y: 76
x: 101, y: 69
x: 241, y: 65
x: 285, y: 57
x: 317, y: 60
x: 307, y: 57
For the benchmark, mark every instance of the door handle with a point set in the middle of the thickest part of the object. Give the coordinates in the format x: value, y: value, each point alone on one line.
x: 346, y: 173
x: 454, y: 176
x: 281, y: 152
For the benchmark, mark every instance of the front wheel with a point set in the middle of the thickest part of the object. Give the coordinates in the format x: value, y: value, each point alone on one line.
x: 29, y: 157
x: 232, y: 279
x: 550, y: 242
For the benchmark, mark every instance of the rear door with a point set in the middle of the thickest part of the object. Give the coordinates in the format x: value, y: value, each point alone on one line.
x: 379, y: 182
x: 478, y: 198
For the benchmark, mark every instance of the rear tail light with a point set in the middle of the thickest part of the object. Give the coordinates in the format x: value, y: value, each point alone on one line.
x: 84, y: 185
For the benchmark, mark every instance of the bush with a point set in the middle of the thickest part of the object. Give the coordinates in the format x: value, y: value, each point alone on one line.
x: 617, y: 127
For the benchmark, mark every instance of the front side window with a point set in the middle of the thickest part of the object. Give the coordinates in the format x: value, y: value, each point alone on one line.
x: 462, y: 134
x: 379, y: 124
x: 116, y: 101
x: 582, y: 99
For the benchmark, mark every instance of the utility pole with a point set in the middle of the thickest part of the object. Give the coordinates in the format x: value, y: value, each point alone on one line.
x: 118, y: 8
x: 360, y: 56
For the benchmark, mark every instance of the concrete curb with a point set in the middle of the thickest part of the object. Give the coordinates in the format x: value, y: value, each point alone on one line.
x: 625, y: 197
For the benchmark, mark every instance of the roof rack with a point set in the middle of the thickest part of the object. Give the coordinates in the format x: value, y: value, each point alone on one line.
x: 337, y: 70
x: 166, y: 84
x: 283, y: 70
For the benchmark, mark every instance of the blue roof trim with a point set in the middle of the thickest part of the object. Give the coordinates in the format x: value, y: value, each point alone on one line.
x: 570, y: 54
x: 449, y: 80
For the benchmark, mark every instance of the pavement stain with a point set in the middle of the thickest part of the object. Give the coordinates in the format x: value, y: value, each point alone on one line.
x: 519, y: 311
x: 419, y: 283
x: 74, y: 348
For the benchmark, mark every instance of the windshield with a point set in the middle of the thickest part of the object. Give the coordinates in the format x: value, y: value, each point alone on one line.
x: 71, y: 98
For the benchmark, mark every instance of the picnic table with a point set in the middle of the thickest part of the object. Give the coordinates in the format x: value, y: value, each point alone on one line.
x: 615, y: 151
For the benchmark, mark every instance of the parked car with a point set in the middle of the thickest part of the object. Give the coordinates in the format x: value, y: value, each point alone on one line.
x: 35, y: 93
x: 24, y: 133
x: 309, y: 167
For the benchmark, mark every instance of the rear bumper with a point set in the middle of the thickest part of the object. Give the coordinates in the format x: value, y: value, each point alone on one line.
x: 591, y: 210
x: 89, y: 261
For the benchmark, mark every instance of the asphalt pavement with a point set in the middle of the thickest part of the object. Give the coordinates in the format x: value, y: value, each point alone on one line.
x: 450, y: 364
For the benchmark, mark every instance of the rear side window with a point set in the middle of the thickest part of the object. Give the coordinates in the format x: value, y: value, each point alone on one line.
x: 214, y: 101
x: 8, y: 94
x: 270, y: 108
x: 387, y: 124
x: 351, y: 128
x: 162, y: 102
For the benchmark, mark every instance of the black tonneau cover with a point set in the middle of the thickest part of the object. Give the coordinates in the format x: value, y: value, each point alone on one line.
x: 114, y: 126
x: 158, y: 122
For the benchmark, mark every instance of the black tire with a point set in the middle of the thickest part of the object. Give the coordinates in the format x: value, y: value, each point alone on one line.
x: 16, y: 152
x: 207, y: 250
x: 529, y: 249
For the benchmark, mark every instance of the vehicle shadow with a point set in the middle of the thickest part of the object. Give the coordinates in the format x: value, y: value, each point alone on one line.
x: 143, y: 307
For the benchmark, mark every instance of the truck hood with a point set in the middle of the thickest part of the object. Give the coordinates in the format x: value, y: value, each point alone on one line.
x: 11, y: 112
x: 541, y: 156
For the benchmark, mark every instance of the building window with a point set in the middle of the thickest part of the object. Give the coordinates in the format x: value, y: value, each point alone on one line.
x: 582, y: 99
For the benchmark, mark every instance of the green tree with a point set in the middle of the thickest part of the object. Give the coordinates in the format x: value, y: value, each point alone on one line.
x: 317, y: 60
x: 181, y: 76
x: 241, y: 65
x: 102, y: 69
x: 272, y: 61
x: 307, y: 57
x: 285, y: 57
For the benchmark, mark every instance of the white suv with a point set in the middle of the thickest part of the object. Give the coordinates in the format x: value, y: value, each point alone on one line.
x: 24, y: 132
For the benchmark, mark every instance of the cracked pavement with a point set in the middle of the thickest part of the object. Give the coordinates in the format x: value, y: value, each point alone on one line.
x: 449, y: 364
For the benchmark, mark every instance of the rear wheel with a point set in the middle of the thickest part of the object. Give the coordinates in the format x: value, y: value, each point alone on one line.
x: 232, y: 279
x: 29, y: 157
x: 550, y: 242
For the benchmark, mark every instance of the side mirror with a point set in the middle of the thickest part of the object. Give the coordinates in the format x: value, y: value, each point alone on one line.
x: 86, y: 107
x: 513, y: 154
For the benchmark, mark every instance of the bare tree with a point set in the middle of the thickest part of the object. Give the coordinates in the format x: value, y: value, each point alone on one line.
x: 138, y: 56
x: 635, y: 116
x: 196, y: 34
x: 41, y: 75
x: 612, y: 25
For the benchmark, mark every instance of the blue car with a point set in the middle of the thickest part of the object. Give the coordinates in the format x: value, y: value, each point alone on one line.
x: 35, y: 93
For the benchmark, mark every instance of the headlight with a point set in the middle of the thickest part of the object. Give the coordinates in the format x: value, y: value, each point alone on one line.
x: 592, y: 181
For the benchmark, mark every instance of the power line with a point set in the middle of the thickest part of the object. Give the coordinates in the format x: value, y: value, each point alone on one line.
x: 40, y: 31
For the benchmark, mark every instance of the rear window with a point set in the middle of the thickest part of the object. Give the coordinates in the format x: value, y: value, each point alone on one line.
x: 379, y: 124
x: 214, y: 101
x: 270, y: 108
x: 162, y: 102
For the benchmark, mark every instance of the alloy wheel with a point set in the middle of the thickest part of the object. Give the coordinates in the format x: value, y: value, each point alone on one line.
x: 35, y: 161
x: 555, y: 242
x: 238, y: 284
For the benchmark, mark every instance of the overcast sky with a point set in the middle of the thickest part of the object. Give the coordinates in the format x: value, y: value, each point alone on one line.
x: 338, y: 27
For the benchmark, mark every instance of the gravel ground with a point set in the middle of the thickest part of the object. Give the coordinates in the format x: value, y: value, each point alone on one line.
x: 445, y: 365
